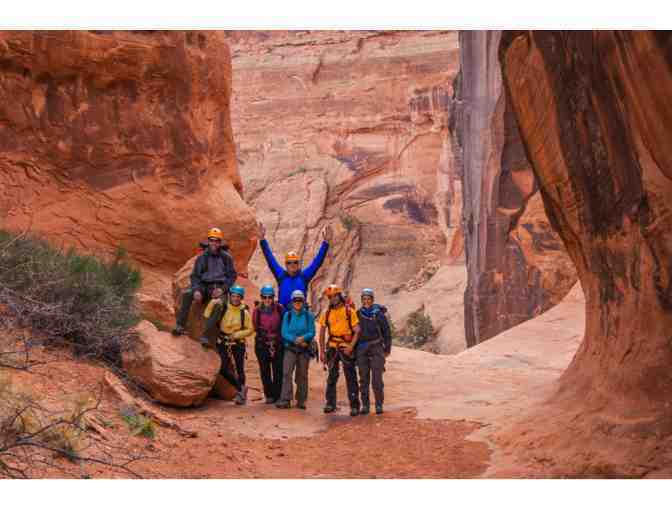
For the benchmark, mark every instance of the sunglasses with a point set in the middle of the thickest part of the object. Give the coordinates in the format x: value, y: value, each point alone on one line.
x: 214, y: 240
x: 292, y: 263
x: 266, y: 297
x: 297, y: 300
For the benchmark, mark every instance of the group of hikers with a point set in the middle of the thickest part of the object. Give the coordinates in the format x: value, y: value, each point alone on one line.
x: 284, y: 329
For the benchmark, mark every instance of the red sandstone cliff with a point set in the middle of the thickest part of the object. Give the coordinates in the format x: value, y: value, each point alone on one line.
x: 350, y: 128
x: 517, y: 266
x: 595, y: 118
x: 121, y: 139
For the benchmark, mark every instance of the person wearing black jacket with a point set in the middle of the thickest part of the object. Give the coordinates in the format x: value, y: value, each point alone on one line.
x: 211, y: 278
x: 373, y: 346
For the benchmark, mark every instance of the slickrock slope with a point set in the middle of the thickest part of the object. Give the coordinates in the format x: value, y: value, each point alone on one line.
x: 351, y: 129
x: 517, y: 266
x: 121, y: 139
x: 594, y: 113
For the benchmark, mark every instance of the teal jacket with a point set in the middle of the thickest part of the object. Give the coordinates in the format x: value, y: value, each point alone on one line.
x: 297, y: 324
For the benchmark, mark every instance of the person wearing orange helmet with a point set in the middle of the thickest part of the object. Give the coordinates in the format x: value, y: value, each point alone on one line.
x: 211, y: 278
x: 342, y: 323
x: 292, y: 277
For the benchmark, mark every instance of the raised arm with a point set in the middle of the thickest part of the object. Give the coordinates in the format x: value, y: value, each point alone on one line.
x: 317, y: 262
x: 273, y: 265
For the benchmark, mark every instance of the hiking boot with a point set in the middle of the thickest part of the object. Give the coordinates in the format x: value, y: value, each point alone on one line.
x: 329, y: 409
x: 302, y: 405
x: 205, y: 342
x: 270, y: 400
x: 238, y: 399
x: 354, y: 411
x: 283, y: 405
x: 379, y: 408
x: 365, y: 410
x: 243, y: 396
x: 178, y: 331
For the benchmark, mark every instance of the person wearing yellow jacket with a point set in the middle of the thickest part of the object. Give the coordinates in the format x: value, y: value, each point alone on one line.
x: 235, y: 328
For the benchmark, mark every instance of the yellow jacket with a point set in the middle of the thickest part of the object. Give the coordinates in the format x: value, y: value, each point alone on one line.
x: 230, y: 323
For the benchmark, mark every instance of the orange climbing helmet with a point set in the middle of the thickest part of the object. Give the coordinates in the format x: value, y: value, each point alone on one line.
x: 215, y: 233
x: 332, y: 290
x: 291, y: 256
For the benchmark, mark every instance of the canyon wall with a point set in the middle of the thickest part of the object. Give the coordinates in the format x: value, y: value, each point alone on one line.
x: 595, y: 116
x: 517, y: 266
x: 350, y: 128
x: 114, y: 138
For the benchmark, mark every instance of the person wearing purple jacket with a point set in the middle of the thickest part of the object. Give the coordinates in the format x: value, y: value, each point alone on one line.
x: 292, y: 277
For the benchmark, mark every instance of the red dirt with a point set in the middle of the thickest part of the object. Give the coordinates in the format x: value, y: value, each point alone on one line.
x: 394, y: 445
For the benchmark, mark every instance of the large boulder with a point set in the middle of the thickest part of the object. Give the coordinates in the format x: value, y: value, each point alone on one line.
x: 174, y: 371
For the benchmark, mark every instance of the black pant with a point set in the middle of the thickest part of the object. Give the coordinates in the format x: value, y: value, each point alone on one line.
x: 238, y: 351
x: 226, y: 370
x: 334, y: 360
x: 371, y: 359
x: 270, y: 368
x: 188, y: 298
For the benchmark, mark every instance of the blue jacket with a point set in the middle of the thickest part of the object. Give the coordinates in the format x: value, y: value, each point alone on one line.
x: 288, y: 284
x: 300, y: 324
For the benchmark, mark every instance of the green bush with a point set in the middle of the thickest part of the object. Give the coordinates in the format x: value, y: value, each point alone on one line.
x: 138, y: 424
x: 349, y: 222
x: 82, y: 299
x: 419, y: 331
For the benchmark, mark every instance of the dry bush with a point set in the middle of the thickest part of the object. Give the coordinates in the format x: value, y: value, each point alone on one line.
x: 78, y: 298
x: 33, y: 436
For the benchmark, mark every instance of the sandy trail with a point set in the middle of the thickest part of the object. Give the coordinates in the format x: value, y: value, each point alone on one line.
x: 441, y: 414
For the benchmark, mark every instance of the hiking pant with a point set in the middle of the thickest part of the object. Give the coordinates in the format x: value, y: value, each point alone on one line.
x: 270, y: 368
x: 371, y: 360
x: 226, y: 370
x: 334, y: 360
x: 298, y: 361
x: 188, y: 298
x: 238, y: 350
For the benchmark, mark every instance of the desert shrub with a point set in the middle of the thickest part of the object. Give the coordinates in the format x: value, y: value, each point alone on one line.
x: 349, y: 222
x: 33, y: 435
x: 82, y: 299
x: 138, y: 424
x: 418, y: 332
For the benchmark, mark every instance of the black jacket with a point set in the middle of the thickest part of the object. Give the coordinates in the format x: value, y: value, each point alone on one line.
x: 201, y: 267
x: 374, y: 325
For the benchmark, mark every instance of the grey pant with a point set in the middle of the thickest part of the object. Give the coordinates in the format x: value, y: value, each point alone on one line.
x: 300, y: 362
x: 371, y: 362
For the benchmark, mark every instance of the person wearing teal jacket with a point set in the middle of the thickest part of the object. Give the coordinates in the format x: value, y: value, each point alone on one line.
x: 298, y: 338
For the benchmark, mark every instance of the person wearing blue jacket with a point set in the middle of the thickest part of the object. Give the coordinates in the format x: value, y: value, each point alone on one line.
x: 298, y: 338
x: 292, y: 277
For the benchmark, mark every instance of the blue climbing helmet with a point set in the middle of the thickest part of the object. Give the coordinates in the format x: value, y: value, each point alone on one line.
x: 237, y: 289
x: 298, y: 294
x: 267, y: 290
x: 368, y: 292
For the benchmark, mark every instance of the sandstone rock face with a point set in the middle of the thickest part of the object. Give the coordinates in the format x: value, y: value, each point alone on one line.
x: 175, y: 371
x: 350, y: 128
x: 594, y: 113
x: 517, y: 266
x: 121, y: 139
